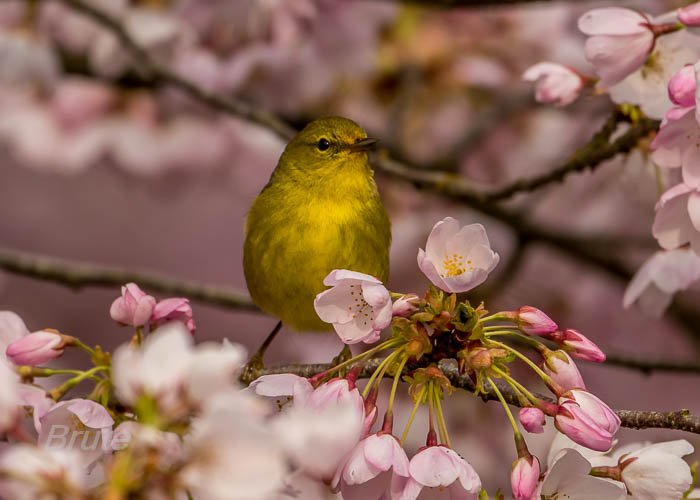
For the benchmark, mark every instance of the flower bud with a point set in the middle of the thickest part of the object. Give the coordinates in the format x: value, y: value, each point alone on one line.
x: 582, y: 347
x: 405, y: 306
x: 173, y: 309
x: 681, y: 87
x: 524, y: 477
x: 586, y: 420
x: 532, y: 420
x: 532, y: 321
x: 690, y: 15
x: 134, y: 307
x: 480, y: 359
x: 36, y: 348
x: 562, y: 369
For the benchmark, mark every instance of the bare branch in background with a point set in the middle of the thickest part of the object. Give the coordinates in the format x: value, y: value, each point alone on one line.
x: 681, y: 420
x: 78, y: 275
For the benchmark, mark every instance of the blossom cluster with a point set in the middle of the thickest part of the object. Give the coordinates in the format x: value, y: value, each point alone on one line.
x: 651, y: 62
x: 165, y: 418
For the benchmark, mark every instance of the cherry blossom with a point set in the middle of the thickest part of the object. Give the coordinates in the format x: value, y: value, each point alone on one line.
x: 619, y: 42
x: 134, y: 307
x: 532, y: 420
x: 12, y: 328
x: 524, y: 477
x: 532, y: 321
x: 368, y: 470
x: 660, y: 277
x: 586, y: 420
x: 441, y: 472
x: 36, y: 348
x: 562, y: 369
x: 50, y: 470
x: 690, y: 15
x: 555, y: 84
x: 678, y: 218
x: 568, y: 477
x: 657, y: 470
x: 358, y: 306
x: 457, y: 259
x: 9, y: 397
x: 173, y: 309
x: 405, y: 305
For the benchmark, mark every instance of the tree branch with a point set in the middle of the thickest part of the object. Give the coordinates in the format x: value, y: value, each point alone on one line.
x: 78, y: 275
x: 590, y: 156
x: 634, y: 419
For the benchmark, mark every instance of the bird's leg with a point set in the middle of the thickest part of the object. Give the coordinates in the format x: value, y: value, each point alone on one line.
x: 255, y: 363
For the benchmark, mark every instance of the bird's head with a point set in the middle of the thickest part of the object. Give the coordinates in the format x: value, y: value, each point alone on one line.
x: 328, y: 145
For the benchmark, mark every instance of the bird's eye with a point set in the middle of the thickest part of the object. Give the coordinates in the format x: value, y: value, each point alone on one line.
x: 323, y: 145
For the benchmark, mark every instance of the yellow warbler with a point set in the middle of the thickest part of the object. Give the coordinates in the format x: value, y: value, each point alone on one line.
x: 320, y: 211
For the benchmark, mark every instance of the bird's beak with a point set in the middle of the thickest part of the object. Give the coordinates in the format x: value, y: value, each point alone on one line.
x: 362, y: 145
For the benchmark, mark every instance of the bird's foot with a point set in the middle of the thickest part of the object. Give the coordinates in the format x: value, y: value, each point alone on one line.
x: 252, y: 369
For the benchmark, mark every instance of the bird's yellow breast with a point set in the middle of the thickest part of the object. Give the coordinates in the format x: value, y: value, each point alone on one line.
x: 296, y: 235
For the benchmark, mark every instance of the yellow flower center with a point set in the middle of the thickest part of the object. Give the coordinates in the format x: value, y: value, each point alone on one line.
x: 455, y: 265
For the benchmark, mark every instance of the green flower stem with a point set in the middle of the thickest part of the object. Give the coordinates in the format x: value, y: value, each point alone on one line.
x: 517, y: 386
x: 81, y: 345
x: 32, y: 371
x: 58, y: 392
x: 379, y: 372
x: 547, y: 379
x: 499, y: 330
x: 527, y: 340
x: 516, y: 431
x: 397, y: 377
x: 442, y: 425
x: 420, y: 399
x: 384, y: 345
x: 493, y: 317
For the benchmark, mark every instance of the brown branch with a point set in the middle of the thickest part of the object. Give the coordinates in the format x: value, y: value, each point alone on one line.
x: 648, y: 366
x: 78, y: 275
x: 590, y: 156
x: 634, y: 419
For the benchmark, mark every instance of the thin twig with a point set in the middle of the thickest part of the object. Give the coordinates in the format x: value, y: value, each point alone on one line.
x: 78, y: 275
x: 649, y: 365
x: 634, y: 419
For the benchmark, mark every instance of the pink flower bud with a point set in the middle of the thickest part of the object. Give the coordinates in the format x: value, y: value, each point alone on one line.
x: 134, y: 307
x: 532, y: 321
x: 174, y: 309
x: 532, y: 420
x: 36, y: 348
x: 690, y: 15
x: 582, y: 347
x: 563, y: 370
x: 681, y: 87
x: 586, y: 420
x: 405, y: 305
x: 556, y: 84
x: 524, y: 477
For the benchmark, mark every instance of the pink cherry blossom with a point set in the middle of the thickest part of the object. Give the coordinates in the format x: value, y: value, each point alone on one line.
x: 213, y: 367
x: 319, y: 431
x: 36, y: 348
x: 660, y: 277
x: 358, y: 306
x: 134, y: 307
x: 657, y: 470
x: 524, y: 477
x: 569, y: 476
x: 282, y: 384
x: 438, y: 472
x: 532, y: 321
x: 681, y: 87
x: 690, y: 15
x: 556, y: 84
x: 9, y: 397
x: 173, y: 309
x: 677, y: 219
x: 620, y: 40
x: 35, y: 397
x: 29, y: 472
x: 586, y: 420
x: 580, y: 346
x: 457, y: 259
x: 12, y: 328
x: 532, y: 420
x: 368, y: 471
x: 61, y: 424
x: 562, y: 369
x: 405, y: 305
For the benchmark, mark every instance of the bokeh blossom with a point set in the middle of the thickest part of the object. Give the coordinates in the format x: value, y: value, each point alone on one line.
x: 555, y: 83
